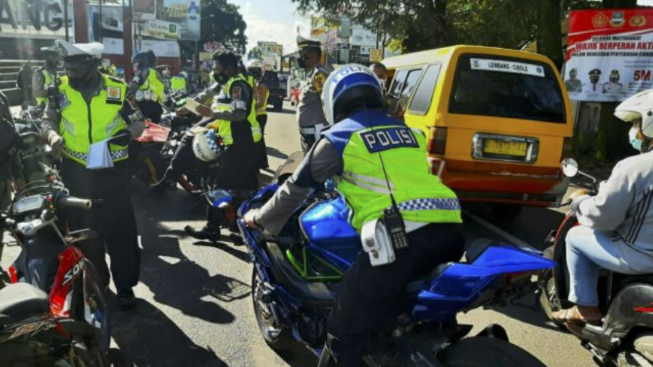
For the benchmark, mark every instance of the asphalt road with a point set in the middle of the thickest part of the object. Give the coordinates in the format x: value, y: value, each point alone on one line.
x: 195, y: 307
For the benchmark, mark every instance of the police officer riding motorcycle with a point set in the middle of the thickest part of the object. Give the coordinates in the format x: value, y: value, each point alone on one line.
x: 379, y: 167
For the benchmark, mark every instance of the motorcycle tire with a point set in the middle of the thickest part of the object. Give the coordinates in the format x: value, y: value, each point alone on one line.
x: 277, y: 337
x: 548, y: 297
x: 104, y: 341
x: 482, y: 351
x: 150, y: 166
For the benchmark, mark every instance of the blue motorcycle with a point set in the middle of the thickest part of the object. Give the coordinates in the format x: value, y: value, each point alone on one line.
x: 296, y: 276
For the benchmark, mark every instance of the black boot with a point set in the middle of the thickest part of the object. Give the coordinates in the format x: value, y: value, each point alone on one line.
x: 126, y: 298
x: 205, y: 233
x: 164, y: 184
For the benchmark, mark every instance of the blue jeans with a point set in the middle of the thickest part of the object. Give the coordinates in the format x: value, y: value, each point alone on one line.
x: 589, y: 250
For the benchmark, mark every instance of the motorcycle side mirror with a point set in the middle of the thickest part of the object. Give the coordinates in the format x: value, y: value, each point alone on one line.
x: 570, y: 167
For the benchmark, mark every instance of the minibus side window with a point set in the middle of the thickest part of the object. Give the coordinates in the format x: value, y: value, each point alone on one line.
x: 407, y: 89
x: 421, y: 101
x: 397, y: 83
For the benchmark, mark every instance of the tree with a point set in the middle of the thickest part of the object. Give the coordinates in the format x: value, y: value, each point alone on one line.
x: 418, y: 24
x: 222, y: 22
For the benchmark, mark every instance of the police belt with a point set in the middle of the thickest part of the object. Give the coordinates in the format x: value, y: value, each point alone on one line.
x: 115, y: 154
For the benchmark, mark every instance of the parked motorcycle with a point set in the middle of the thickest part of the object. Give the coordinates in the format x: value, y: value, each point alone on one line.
x: 145, y: 153
x: 32, y: 334
x: 625, y: 337
x: 296, y: 275
x: 51, y: 259
x: 34, y: 152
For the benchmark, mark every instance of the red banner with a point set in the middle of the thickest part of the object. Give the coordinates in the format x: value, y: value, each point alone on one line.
x: 609, y: 54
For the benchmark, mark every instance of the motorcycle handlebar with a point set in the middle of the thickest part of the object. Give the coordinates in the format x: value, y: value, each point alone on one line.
x: 73, y: 202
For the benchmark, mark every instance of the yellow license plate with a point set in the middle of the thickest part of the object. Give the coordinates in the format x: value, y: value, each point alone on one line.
x: 512, y: 148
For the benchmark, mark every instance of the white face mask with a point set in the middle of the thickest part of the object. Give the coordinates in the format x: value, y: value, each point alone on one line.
x: 634, y: 142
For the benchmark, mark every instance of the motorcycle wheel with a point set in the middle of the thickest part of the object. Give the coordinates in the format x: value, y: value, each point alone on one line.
x: 549, y: 298
x: 104, y: 337
x: 482, y: 351
x: 276, y: 336
x: 149, y: 165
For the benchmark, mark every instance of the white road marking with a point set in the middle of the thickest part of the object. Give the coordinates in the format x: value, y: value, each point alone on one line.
x: 514, y: 240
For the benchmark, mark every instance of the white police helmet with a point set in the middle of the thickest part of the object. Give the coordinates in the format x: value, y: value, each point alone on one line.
x: 350, y: 86
x: 254, y: 64
x: 205, y: 146
x: 67, y: 49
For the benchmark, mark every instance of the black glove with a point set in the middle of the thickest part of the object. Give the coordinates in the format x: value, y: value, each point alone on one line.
x: 122, y: 137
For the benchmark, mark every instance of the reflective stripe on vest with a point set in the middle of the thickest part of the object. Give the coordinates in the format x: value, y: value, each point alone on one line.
x: 263, y: 110
x: 420, y: 196
x: 49, y: 79
x: 178, y: 83
x: 224, y: 126
x: 79, y: 132
x: 154, y: 85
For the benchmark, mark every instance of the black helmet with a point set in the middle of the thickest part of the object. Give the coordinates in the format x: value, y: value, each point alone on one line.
x: 144, y: 58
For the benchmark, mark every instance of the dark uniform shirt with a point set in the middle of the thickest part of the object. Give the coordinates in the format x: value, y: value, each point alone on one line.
x: 309, y: 110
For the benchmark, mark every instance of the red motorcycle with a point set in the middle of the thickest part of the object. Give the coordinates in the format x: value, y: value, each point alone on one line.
x: 51, y: 259
x: 624, y: 337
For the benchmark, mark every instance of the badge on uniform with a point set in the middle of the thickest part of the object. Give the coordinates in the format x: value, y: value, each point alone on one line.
x: 63, y: 100
x: 235, y: 92
x: 113, y: 93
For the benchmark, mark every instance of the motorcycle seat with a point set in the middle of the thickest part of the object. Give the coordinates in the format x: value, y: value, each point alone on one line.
x: 475, y: 248
x: 22, y: 298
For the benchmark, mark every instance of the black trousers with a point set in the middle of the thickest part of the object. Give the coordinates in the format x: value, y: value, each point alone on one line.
x: 183, y: 157
x: 151, y: 110
x: 237, y: 170
x: 113, y: 219
x: 260, y: 146
x: 368, y: 295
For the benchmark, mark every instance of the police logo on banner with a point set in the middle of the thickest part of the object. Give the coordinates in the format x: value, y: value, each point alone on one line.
x: 378, y: 140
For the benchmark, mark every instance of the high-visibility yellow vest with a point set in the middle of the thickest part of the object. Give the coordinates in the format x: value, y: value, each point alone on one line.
x: 155, y: 86
x: 223, y: 102
x: 178, y: 83
x: 83, y: 124
x: 49, y: 79
x: 420, y: 196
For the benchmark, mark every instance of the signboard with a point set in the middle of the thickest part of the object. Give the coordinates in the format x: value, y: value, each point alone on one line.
x: 362, y: 37
x: 115, y: 46
x: 609, y: 54
x: 206, y: 56
x: 376, y: 55
x: 186, y: 14
x: 270, y: 48
x: 144, y: 9
x: 507, y: 67
x: 20, y: 19
x: 212, y: 46
x: 161, y: 29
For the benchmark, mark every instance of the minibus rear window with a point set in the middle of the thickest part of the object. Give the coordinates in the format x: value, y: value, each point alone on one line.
x: 506, y: 87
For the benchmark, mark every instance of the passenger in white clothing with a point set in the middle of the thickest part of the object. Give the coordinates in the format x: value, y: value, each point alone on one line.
x: 616, y: 230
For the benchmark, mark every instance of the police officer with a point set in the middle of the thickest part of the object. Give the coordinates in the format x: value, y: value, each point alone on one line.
x: 45, y: 76
x: 593, y: 86
x: 374, y: 159
x: 261, y: 95
x: 573, y: 84
x: 178, y: 83
x: 309, y: 111
x: 147, y: 85
x: 86, y: 108
x: 613, y: 86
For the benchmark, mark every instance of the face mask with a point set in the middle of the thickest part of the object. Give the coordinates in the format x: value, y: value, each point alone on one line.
x: 301, y: 62
x: 221, y: 78
x: 634, y: 142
